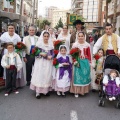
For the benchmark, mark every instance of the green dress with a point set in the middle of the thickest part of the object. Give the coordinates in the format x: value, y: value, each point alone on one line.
x: 82, y: 73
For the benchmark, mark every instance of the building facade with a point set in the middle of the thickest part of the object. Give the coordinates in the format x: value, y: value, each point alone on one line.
x: 111, y: 15
x: 57, y: 14
x: 77, y: 6
x: 49, y: 12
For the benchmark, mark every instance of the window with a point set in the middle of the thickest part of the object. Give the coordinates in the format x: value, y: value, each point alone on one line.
x: 18, y: 8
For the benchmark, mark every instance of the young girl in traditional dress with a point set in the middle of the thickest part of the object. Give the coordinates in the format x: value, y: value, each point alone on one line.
x: 112, y: 84
x: 41, y: 80
x: 64, y: 73
x: 81, y: 74
x: 97, y: 69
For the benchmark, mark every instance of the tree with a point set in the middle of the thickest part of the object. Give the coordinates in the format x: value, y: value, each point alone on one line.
x: 41, y: 24
x: 115, y: 16
x: 59, y: 24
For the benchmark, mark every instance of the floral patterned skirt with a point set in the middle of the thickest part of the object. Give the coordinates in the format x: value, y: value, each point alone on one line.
x: 81, y: 78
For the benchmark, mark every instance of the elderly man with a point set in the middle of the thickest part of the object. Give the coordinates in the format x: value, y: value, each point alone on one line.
x: 30, y: 41
x: 79, y: 27
x: 110, y: 42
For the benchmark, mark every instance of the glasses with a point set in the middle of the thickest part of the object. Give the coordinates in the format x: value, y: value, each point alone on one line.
x: 64, y: 28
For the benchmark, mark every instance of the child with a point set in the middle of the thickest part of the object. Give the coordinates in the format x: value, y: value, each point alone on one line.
x: 111, y: 83
x: 64, y: 72
x: 97, y: 70
x: 12, y: 63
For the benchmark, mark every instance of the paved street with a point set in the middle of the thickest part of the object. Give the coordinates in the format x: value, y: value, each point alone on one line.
x: 26, y: 107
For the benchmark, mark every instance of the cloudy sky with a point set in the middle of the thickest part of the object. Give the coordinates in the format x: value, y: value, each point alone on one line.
x: 65, y: 4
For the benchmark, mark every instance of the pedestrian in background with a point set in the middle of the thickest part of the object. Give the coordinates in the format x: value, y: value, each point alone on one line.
x: 65, y: 36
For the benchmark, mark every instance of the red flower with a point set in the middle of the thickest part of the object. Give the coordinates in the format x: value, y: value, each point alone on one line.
x: 74, y: 50
x: 19, y: 46
x: 56, y: 52
x: 33, y: 51
x: 54, y: 61
x: 57, y: 42
x: 96, y: 56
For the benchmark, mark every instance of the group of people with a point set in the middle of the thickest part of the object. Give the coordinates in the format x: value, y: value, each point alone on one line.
x: 41, y: 75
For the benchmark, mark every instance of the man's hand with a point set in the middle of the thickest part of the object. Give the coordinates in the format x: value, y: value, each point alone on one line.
x: 25, y: 60
x: 8, y: 66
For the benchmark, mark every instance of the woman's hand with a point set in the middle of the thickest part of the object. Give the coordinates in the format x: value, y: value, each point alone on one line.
x: 106, y: 84
x: 42, y: 54
x: 49, y: 57
x: 65, y: 63
x: 25, y: 60
x: 118, y: 85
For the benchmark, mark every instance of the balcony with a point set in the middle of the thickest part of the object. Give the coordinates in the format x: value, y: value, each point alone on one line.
x: 78, y: 1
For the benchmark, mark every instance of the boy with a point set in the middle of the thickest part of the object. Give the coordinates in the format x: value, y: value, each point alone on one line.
x: 12, y: 63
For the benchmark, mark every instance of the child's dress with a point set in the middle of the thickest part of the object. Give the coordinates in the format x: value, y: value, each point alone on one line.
x: 97, y: 72
x: 63, y: 75
x: 111, y: 88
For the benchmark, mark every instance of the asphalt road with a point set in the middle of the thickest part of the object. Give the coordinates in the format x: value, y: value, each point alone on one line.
x: 25, y: 106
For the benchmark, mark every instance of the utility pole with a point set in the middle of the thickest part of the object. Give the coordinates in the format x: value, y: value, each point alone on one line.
x: 115, y: 16
x: 106, y: 12
x: 33, y: 12
x: 21, y: 32
x: 100, y: 12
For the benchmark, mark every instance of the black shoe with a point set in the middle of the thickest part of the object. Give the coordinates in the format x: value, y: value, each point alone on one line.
x: 38, y: 97
x: 28, y: 84
x: 63, y: 96
x: 93, y: 90
x: 48, y: 94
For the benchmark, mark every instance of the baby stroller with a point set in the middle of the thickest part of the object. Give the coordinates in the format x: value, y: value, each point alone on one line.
x: 111, y: 62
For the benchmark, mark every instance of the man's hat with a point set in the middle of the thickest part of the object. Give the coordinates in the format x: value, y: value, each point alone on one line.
x: 78, y: 22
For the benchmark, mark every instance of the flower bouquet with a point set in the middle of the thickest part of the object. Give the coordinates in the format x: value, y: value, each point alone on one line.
x: 57, y: 44
x: 35, y: 51
x: 55, y: 62
x: 19, y: 48
x: 74, y: 52
x: 96, y: 56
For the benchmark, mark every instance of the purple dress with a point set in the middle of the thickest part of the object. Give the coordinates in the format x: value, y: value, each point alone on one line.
x: 112, y: 89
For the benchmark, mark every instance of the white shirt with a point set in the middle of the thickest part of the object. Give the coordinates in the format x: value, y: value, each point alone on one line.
x: 32, y: 40
x: 105, y: 80
x: 98, y: 44
x: 11, y: 60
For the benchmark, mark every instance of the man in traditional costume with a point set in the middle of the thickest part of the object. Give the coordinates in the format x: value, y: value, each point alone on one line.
x: 30, y: 41
x: 78, y: 25
x: 110, y: 42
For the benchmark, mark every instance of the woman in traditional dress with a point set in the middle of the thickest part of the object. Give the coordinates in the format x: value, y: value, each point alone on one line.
x: 65, y: 36
x: 81, y: 74
x: 11, y: 36
x: 64, y: 72
x: 41, y: 80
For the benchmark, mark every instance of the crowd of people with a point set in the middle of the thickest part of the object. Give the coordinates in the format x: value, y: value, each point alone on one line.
x: 76, y: 75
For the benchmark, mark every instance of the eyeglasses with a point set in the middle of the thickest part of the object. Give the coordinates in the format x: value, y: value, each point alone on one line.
x: 64, y: 28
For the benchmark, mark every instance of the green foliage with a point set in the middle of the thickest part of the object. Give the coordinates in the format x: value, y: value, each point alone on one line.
x: 41, y: 23
x: 108, y: 1
x: 59, y: 24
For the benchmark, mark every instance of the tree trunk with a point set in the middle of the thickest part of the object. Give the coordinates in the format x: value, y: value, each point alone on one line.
x: 115, y: 16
